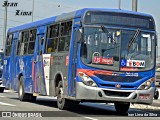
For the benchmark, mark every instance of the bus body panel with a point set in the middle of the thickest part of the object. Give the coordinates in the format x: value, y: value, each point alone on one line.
x: 59, y: 68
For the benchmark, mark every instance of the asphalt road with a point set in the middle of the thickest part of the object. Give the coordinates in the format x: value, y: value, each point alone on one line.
x: 46, y: 107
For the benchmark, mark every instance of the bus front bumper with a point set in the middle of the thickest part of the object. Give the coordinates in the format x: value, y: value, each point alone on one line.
x: 88, y: 93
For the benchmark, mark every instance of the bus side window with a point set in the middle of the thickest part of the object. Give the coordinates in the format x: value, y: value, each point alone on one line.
x: 23, y: 46
x: 53, y: 38
x: 9, y: 45
x: 32, y: 39
x: 65, y: 36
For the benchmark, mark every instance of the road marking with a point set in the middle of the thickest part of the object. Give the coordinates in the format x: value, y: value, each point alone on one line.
x: 7, y: 104
x: 2, y: 96
x: 9, y: 91
x: 90, y: 118
x: 87, y: 117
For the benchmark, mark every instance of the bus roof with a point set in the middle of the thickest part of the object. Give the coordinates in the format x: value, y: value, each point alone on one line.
x: 70, y: 15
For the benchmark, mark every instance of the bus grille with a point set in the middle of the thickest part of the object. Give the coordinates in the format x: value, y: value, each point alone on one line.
x: 116, y: 94
x: 118, y: 78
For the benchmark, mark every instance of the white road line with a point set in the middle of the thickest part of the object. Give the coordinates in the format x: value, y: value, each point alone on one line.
x: 9, y: 91
x: 2, y: 96
x: 87, y: 117
x: 90, y: 118
x: 7, y: 104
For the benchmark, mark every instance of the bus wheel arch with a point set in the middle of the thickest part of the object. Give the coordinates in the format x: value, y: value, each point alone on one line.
x: 19, y: 76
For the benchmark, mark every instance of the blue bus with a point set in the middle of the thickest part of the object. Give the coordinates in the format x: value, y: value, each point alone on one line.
x: 1, y: 69
x: 95, y: 55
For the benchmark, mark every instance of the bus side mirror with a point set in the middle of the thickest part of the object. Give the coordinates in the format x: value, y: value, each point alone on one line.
x: 78, y: 34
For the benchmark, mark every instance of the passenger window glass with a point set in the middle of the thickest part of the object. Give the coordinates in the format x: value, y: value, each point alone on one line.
x: 23, y: 43
x: 25, y: 48
x: 25, y: 36
x: 32, y: 41
x: 52, y: 45
x: 54, y: 30
x: 59, y: 34
x: 66, y: 28
x: 64, y: 40
x: 53, y: 38
x: 64, y: 44
x: 33, y: 35
x: 9, y: 44
x: 61, y: 44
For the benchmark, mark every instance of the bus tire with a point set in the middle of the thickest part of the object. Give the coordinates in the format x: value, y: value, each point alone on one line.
x: 121, y: 107
x: 32, y: 98
x: 21, y: 94
x: 156, y: 95
x: 62, y: 103
x: 1, y: 89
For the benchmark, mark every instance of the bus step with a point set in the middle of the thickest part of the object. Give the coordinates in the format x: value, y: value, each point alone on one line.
x: 35, y: 94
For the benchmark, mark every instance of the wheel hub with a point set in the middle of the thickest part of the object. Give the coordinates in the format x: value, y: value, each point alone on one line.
x: 20, y: 90
x: 60, y: 94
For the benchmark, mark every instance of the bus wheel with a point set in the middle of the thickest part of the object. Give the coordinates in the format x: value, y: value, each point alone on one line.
x: 62, y: 103
x: 31, y: 98
x: 22, y: 96
x: 1, y: 89
x: 156, y: 95
x: 121, y: 108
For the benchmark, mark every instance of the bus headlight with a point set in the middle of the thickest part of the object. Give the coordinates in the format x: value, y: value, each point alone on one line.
x: 87, y: 80
x: 146, y: 85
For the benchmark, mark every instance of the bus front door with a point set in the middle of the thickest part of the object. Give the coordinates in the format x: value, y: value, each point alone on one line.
x: 39, y: 85
x: 73, y: 64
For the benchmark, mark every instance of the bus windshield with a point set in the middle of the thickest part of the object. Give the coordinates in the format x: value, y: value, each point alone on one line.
x: 115, y: 49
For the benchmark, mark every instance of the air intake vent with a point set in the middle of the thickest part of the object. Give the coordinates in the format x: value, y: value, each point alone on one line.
x: 116, y: 94
x: 118, y: 78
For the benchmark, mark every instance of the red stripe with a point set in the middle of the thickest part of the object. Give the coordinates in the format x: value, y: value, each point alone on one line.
x: 93, y: 72
x: 32, y: 69
x: 33, y: 75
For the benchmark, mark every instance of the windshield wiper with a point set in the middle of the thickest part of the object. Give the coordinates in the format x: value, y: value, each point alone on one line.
x: 104, y: 30
x: 108, y: 34
x: 133, y: 38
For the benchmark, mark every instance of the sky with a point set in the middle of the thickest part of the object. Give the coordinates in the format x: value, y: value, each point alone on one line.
x: 47, y: 8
